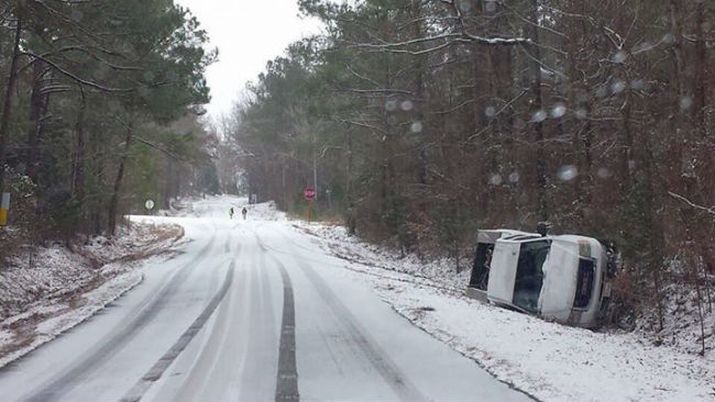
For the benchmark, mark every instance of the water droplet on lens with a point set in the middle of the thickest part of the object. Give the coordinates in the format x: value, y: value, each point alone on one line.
x: 638, y: 84
x: 686, y: 102
x: 567, y: 173
x: 407, y: 105
x: 539, y: 116
x: 464, y: 5
x: 416, y: 127
x: 514, y: 177
x: 495, y: 180
x: 620, y: 57
x: 391, y: 105
x: 604, y: 173
x: 618, y: 87
x: 558, y: 111
x: 642, y: 47
x: 490, y: 6
x: 490, y: 111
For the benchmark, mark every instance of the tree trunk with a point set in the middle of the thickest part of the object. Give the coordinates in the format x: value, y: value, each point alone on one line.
x: 420, y: 62
x: 700, y: 84
x: 653, y: 228
x: 536, y: 111
x: 167, y: 183
x: 114, y: 202
x: 7, y: 105
x: 39, y: 104
x: 315, y: 172
x: 80, y: 151
x: 351, y: 224
x: 284, y: 189
x: 626, y: 145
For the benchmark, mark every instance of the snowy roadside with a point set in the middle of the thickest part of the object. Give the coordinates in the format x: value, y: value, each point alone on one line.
x: 552, y: 362
x: 45, y: 293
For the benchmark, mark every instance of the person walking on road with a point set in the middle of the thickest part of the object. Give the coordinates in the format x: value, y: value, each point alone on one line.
x: 230, y: 212
x: 244, y: 211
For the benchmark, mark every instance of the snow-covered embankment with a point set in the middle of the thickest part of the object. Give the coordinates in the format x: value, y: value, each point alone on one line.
x: 549, y: 361
x: 48, y: 290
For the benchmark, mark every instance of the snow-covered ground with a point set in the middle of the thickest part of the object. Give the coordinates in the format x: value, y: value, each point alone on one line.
x: 48, y: 290
x: 681, y: 314
x: 550, y: 361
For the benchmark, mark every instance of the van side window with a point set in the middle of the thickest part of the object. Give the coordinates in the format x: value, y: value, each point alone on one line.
x: 584, y: 285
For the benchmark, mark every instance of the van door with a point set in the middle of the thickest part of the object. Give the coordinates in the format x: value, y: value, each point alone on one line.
x: 529, y: 274
x: 500, y: 288
x: 559, y: 282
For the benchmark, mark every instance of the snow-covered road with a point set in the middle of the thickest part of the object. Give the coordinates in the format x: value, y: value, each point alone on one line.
x: 250, y: 310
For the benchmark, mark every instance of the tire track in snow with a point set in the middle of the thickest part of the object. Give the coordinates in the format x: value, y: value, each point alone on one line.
x: 377, y: 357
x: 261, y: 355
x: 55, y: 389
x: 287, y: 382
x: 158, y: 369
x: 203, y: 373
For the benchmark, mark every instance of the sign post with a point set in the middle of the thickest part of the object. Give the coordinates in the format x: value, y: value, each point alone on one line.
x: 309, y: 194
x: 4, y: 208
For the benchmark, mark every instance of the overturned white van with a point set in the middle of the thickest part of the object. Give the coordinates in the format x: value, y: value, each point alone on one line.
x: 563, y: 278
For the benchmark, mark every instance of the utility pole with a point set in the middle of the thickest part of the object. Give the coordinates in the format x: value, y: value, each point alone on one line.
x: 315, y: 172
x: 283, y: 182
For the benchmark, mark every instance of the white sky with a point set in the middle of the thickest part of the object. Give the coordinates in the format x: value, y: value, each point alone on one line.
x: 248, y: 33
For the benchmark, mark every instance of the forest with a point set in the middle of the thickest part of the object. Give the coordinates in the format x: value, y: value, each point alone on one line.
x: 419, y: 121
x: 101, y: 105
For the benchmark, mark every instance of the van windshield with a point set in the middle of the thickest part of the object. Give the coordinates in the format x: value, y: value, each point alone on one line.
x: 529, y: 276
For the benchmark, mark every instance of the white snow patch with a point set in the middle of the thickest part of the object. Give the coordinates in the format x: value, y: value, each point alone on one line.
x: 49, y: 329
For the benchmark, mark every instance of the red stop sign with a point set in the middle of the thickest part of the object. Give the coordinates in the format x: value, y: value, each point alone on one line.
x: 309, y: 193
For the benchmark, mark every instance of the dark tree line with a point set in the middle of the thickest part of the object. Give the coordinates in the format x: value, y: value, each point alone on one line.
x: 428, y: 119
x: 100, y: 105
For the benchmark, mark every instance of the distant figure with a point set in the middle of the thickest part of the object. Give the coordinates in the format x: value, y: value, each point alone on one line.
x: 230, y: 212
x: 244, y: 211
